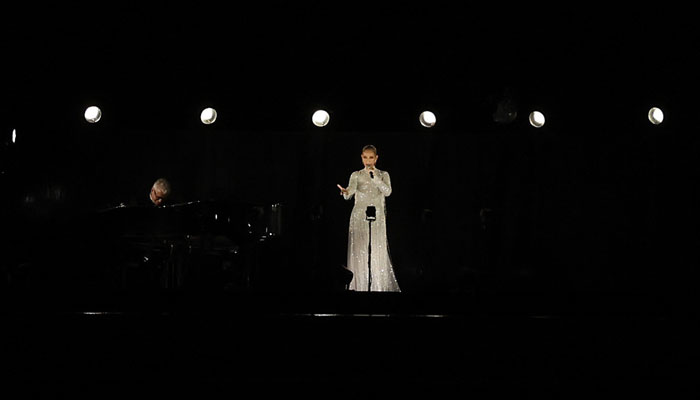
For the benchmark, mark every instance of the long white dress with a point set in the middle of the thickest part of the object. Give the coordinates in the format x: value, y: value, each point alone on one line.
x: 369, y: 192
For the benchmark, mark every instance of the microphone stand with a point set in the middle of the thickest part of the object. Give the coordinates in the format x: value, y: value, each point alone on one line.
x: 371, y: 216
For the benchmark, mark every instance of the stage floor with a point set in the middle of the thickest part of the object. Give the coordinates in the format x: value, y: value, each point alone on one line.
x: 214, y: 342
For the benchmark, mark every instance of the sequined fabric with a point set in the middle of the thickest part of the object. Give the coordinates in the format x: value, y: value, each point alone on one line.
x: 369, y: 192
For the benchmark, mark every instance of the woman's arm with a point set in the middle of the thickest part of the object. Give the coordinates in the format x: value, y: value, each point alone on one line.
x: 383, y: 182
x: 352, y: 187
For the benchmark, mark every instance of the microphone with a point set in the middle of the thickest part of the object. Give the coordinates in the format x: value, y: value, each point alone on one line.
x: 371, y: 174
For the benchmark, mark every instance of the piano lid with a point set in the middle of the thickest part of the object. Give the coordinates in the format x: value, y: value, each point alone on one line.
x: 234, y: 219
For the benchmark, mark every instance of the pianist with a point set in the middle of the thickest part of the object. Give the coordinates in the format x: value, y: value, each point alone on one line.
x: 160, y: 191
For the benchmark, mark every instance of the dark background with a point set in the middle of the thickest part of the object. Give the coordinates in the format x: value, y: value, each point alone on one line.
x: 598, y: 199
x: 583, y: 280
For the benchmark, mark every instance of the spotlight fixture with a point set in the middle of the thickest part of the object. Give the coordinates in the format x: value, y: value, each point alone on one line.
x: 656, y: 116
x: 93, y: 114
x: 208, y: 116
x: 505, y: 112
x: 505, y: 106
x: 536, y: 119
x: 427, y: 119
x: 14, y: 135
x: 320, y: 118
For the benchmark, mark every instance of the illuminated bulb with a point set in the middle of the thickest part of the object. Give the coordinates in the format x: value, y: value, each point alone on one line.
x: 427, y: 119
x: 208, y: 116
x: 536, y: 119
x: 656, y: 116
x: 320, y: 118
x: 93, y: 114
x: 14, y: 135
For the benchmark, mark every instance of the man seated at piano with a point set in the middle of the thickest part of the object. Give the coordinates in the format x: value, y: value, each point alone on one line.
x: 160, y: 191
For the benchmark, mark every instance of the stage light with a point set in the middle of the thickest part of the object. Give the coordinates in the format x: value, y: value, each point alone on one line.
x: 536, y: 119
x: 208, y: 116
x: 506, y: 111
x: 93, y: 114
x: 14, y: 135
x: 427, y: 119
x: 320, y: 118
x: 656, y: 116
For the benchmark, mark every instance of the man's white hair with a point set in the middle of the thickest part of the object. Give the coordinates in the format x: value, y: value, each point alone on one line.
x: 163, y: 185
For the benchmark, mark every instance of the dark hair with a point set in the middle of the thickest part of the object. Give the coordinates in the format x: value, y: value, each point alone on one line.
x: 370, y: 147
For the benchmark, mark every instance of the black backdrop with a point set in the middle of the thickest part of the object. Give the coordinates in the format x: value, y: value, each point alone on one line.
x: 597, y: 199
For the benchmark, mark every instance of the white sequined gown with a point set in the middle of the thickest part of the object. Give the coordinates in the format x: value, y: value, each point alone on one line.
x: 369, y: 192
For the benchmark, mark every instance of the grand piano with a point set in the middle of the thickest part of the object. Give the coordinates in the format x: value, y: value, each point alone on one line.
x: 198, y: 244
x: 191, y: 244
